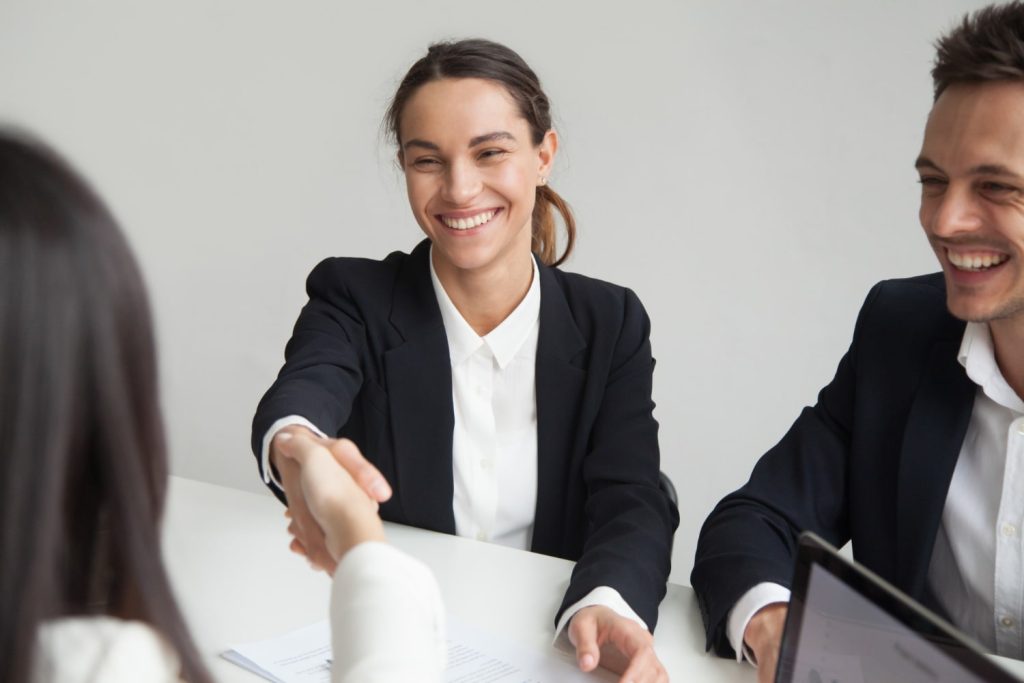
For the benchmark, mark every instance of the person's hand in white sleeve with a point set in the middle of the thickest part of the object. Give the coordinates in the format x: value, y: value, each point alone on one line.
x: 387, y: 619
x: 330, y: 511
x: 605, y: 638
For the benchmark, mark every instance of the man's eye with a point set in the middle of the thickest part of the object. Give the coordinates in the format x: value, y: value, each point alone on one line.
x: 996, y: 188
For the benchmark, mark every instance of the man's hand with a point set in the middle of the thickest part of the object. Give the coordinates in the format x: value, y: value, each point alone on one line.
x: 763, y: 636
x: 603, y: 637
x: 298, y: 442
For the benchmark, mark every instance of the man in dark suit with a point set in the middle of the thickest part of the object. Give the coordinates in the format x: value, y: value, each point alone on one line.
x: 915, y: 450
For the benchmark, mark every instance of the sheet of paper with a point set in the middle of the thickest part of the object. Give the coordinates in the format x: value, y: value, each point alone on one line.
x: 478, y: 656
x: 474, y: 656
x: 299, y: 656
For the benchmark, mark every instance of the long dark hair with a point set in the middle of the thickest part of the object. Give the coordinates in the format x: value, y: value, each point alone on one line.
x: 494, y: 62
x: 83, y: 465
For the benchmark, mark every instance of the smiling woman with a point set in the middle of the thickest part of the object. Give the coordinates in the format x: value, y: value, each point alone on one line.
x: 496, y: 396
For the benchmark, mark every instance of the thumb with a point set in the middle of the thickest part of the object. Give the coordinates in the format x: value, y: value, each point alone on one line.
x: 583, y: 634
x: 365, y: 474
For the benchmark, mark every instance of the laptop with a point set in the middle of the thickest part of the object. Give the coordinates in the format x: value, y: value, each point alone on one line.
x: 847, y: 625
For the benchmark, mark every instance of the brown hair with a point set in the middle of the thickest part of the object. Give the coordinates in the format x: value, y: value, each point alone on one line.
x: 84, y: 469
x: 491, y: 61
x: 987, y: 45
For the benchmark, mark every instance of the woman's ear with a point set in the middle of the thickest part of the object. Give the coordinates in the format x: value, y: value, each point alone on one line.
x: 546, y: 153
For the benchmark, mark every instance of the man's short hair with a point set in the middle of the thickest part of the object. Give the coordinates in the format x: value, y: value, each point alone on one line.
x: 987, y: 45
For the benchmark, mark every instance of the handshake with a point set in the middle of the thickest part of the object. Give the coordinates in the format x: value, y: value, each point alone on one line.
x: 333, y: 495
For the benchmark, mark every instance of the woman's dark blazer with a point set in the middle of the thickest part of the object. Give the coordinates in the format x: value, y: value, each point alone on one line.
x: 368, y: 359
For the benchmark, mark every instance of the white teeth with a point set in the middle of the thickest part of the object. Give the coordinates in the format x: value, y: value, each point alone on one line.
x: 976, y: 261
x: 467, y: 223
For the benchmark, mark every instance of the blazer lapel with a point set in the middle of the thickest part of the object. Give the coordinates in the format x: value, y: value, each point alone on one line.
x: 935, y: 430
x: 419, y: 382
x: 559, y: 387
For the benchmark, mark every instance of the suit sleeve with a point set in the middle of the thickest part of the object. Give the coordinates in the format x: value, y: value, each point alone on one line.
x: 630, y: 520
x: 321, y: 375
x: 800, y: 484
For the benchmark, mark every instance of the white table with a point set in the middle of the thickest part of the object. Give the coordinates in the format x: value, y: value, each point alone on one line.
x: 227, y: 554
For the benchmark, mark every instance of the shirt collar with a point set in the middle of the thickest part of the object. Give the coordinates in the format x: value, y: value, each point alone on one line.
x: 978, y: 357
x: 505, y: 340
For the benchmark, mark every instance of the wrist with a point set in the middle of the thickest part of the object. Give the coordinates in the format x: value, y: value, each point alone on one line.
x: 346, y: 529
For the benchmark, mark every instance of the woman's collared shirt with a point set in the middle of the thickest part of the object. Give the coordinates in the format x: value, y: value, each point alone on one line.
x: 494, y: 443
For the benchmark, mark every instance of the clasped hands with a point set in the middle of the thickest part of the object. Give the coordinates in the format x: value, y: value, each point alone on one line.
x: 333, y: 496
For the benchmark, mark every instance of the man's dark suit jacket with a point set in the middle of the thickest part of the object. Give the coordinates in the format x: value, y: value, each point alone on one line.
x: 369, y: 360
x: 871, y: 462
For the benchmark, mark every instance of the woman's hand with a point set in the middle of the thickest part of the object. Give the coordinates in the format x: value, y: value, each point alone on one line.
x: 332, y: 493
x: 603, y: 637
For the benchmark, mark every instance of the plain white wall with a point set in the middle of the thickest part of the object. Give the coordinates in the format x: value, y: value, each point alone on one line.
x: 745, y: 167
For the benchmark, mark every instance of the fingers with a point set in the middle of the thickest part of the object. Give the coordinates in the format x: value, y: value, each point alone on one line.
x: 365, y: 474
x: 309, y: 537
x: 291, y: 445
x: 583, y: 634
x: 635, y: 645
x: 604, y: 637
x: 644, y: 667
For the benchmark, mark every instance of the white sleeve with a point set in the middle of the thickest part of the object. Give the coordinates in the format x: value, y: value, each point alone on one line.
x: 387, y: 619
x: 602, y: 595
x: 265, y: 468
x: 761, y: 595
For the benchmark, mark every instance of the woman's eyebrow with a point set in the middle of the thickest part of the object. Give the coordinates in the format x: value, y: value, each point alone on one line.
x: 491, y: 137
x: 421, y: 143
x: 478, y: 140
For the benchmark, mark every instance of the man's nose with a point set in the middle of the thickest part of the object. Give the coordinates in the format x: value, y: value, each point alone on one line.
x: 956, y: 213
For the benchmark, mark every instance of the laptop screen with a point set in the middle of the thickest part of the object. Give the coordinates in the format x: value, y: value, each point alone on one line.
x: 847, y: 626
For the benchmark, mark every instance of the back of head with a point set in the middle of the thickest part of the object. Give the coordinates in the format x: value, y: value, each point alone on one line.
x: 987, y: 45
x: 84, y: 469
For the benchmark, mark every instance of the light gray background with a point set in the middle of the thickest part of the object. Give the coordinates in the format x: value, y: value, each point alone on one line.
x: 746, y: 167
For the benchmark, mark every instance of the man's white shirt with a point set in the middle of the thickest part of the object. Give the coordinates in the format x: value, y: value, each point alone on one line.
x: 978, y: 561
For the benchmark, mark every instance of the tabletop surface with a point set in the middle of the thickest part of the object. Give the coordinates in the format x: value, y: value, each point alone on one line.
x: 227, y: 554
x: 228, y: 558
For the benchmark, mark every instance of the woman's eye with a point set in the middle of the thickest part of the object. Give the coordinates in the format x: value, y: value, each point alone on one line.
x: 492, y: 154
x: 426, y: 163
x: 932, y: 183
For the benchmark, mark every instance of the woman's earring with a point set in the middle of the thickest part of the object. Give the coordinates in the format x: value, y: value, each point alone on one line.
x: 543, y: 180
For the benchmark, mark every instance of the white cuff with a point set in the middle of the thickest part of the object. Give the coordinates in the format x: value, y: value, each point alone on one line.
x: 602, y: 595
x: 758, y: 597
x: 265, y: 468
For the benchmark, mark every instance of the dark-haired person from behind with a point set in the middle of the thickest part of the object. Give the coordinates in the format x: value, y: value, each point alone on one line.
x: 498, y: 397
x: 915, y: 451
x: 84, y: 596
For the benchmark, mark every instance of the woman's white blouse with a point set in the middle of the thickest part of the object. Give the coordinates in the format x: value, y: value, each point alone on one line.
x: 494, y: 443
